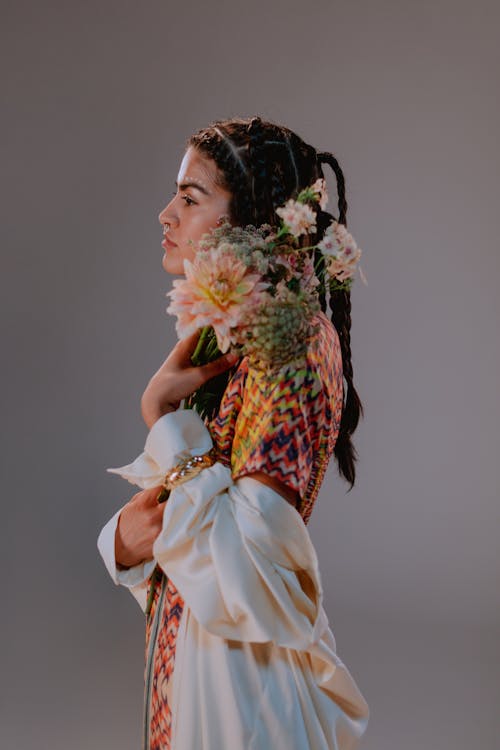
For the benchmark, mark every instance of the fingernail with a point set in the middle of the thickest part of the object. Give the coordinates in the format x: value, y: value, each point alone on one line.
x: 232, y: 357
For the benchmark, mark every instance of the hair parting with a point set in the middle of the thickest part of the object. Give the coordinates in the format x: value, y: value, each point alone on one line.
x: 234, y: 151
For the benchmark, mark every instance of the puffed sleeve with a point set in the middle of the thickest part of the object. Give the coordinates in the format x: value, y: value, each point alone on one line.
x: 278, y: 422
x: 236, y: 550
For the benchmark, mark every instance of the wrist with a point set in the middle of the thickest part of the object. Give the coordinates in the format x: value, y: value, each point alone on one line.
x: 150, y: 416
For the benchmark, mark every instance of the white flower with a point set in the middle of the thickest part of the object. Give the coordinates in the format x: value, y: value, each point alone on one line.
x: 298, y: 217
x: 329, y: 245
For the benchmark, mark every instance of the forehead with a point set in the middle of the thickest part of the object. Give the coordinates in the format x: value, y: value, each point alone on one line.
x: 198, y: 168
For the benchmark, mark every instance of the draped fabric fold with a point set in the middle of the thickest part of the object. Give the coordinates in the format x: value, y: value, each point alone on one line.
x: 235, y: 551
x: 248, y: 572
x: 256, y: 663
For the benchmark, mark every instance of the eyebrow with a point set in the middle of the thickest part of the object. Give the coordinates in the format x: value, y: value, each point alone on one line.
x: 189, y: 184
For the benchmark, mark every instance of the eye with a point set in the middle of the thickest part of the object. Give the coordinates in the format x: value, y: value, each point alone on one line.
x: 189, y: 200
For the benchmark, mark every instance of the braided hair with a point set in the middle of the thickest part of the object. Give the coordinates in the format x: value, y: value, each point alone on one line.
x: 262, y: 165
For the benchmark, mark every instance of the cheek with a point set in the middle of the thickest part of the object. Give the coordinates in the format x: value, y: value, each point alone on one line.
x: 198, y: 226
x: 188, y: 253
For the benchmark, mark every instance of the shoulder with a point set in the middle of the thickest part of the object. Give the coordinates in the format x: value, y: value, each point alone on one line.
x: 307, y: 385
x: 319, y: 368
x: 325, y: 354
x: 326, y: 333
x: 307, y: 392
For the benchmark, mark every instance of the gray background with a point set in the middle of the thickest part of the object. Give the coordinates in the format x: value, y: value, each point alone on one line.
x: 98, y: 100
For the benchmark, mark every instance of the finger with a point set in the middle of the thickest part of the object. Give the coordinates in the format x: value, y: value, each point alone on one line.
x: 188, y: 344
x: 151, y: 495
x: 137, y: 498
x: 210, y: 370
x: 182, y: 352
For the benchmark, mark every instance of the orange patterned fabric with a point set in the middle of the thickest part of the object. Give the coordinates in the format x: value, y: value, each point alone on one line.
x: 285, y: 426
x: 161, y: 631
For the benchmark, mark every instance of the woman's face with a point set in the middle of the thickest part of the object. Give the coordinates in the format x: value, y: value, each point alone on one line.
x: 196, y: 207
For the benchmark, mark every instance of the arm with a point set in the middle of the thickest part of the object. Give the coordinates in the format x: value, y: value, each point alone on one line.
x: 290, y: 495
x: 129, y: 535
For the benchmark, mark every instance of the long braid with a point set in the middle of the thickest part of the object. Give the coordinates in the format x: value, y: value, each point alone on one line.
x: 325, y: 157
x: 340, y: 306
x: 263, y: 166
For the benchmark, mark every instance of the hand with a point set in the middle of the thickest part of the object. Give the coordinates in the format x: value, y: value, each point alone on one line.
x: 139, y: 524
x: 178, y: 378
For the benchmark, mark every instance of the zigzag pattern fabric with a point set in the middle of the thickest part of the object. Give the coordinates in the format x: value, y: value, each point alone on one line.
x: 161, y: 631
x: 286, y: 426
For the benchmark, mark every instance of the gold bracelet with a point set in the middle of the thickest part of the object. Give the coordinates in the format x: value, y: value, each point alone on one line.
x: 188, y: 469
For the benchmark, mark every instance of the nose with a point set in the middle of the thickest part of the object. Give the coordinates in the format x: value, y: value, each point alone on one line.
x: 168, y: 215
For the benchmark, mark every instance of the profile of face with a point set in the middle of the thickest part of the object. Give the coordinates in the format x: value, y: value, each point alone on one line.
x: 197, y: 206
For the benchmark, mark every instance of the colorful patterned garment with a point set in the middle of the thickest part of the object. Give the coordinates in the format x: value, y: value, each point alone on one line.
x: 285, y: 426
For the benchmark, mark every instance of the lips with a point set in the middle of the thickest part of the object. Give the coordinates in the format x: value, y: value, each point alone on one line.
x: 167, y: 242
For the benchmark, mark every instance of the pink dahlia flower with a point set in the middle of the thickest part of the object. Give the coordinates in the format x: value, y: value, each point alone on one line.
x: 218, y: 291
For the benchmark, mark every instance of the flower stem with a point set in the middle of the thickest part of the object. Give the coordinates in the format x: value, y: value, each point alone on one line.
x: 195, y: 358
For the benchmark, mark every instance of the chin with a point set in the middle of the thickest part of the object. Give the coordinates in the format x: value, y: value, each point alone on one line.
x: 172, y: 266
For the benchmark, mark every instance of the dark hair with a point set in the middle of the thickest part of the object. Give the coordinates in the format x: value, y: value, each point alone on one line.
x: 264, y: 164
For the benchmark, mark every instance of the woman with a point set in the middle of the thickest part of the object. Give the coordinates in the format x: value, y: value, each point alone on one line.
x: 239, y: 653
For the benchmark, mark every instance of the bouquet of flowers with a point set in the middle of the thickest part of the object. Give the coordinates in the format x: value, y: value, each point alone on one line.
x: 256, y: 290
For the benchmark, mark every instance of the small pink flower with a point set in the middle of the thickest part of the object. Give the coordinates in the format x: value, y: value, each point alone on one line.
x: 340, y: 250
x: 320, y: 187
x: 298, y: 217
x: 343, y: 266
x: 216, y: 292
